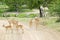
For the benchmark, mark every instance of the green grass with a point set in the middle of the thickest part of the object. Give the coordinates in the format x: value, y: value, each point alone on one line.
x: 51, y: 23
x: 32, y: 15
x: 22, y: 15
x: 25, y: 10
x: 55, y: 26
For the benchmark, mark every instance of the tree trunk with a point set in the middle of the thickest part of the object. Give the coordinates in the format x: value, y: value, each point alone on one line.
x: 41, y: 14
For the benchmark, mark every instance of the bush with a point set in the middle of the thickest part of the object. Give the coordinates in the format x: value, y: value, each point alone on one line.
x: 22, y: 15
x: 58, y: 20
x: 32, y: 15
x: 0, y: 14
x: 28, y: 16
x: 12, y: 15
x: 2, y: 10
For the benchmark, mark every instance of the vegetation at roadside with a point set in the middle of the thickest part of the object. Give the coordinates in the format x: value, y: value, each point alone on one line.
x: 22, y: 15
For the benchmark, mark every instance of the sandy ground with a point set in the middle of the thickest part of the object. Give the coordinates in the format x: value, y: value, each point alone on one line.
x: 29, y: 33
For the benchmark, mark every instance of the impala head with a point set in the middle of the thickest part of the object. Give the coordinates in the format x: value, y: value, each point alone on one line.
x: 36, y: 18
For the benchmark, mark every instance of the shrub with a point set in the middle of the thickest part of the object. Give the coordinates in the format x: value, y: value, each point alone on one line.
x: 12, y: 15
x: 58, y: 20
x: 2, y: 10
x: 0, y: 14
x: 22, y: 15
x: 32, y: 15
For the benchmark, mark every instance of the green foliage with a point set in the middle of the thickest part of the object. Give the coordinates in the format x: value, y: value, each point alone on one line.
x: 22, y: 15
x: 25, y: 10
x: 58, y: 20
x: 0, y: 14
x: 27, y: 16
x: 2, y: 10
x: 55, y: 7
x: 14, y: 5
x: 36, y: 3
x: 32, y: 15
x: 12, y: 15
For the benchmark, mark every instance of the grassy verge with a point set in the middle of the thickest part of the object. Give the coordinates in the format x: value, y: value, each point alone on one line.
x: 51, y: 23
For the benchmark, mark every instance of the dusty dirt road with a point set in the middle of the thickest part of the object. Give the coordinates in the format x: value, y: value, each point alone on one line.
x: 29, y: 33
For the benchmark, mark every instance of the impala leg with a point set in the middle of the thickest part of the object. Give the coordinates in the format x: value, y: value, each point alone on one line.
x: 11, y: 30
x: 36, y: 26
x: 22, y: 31
x: 17, y: 29
x: 6, y: 30
x: 30, y: 25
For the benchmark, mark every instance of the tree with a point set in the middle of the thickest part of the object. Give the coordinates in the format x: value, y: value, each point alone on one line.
x: 14, y: 5
x: 37, y: 3
x: 55, y: 7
